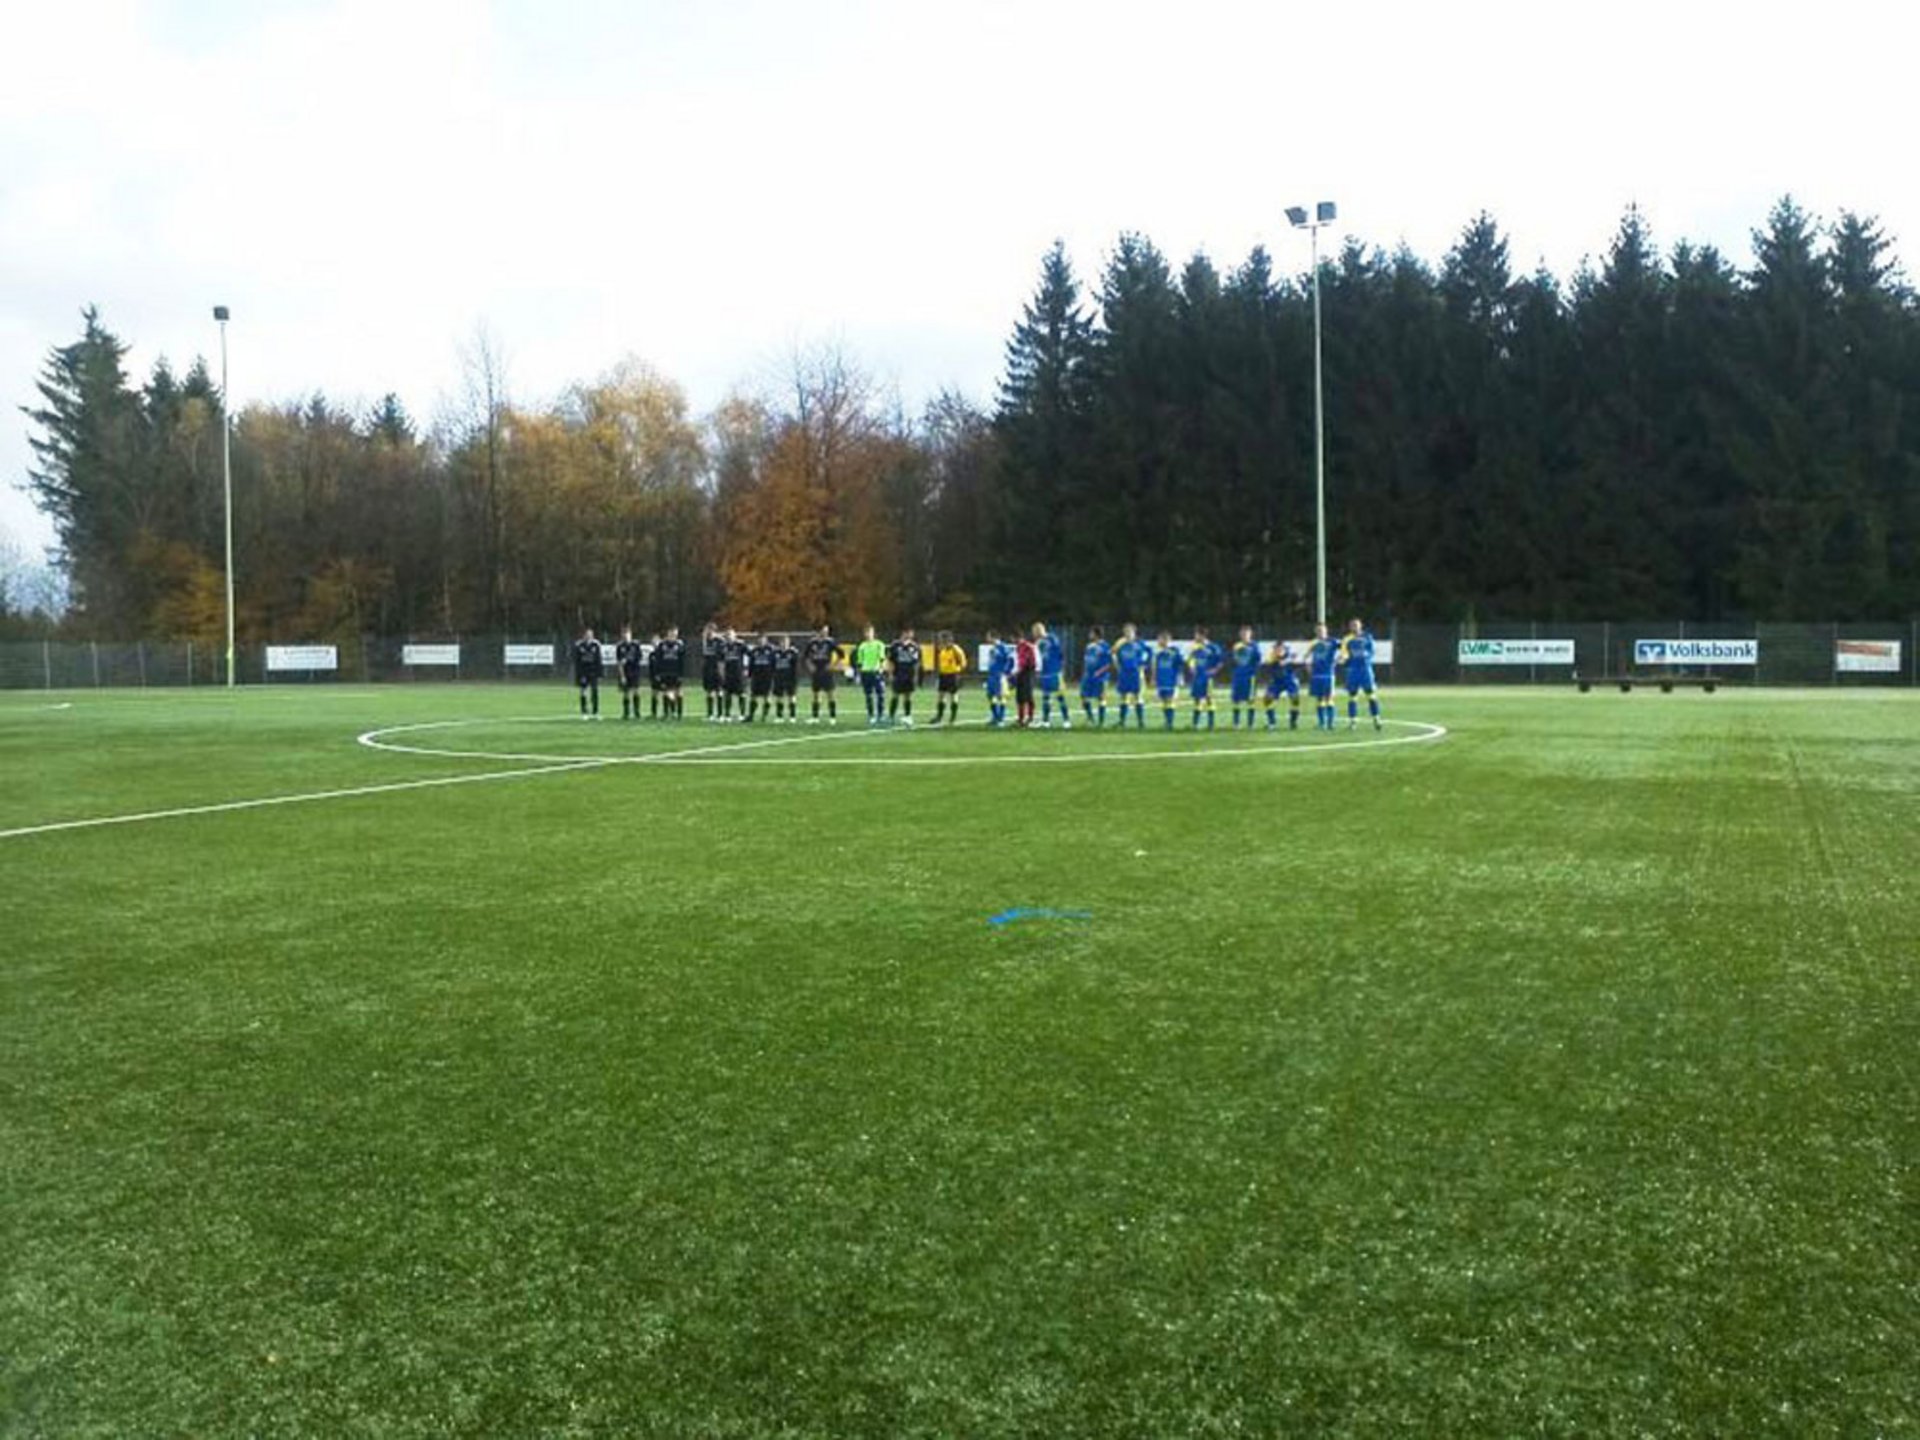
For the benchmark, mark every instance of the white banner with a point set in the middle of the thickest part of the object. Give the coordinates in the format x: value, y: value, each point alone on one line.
x: 1696, y: 652
x: 303, y: 657
x: 430, y: 655
x: 528, y: 655
x: 1870, y: 657
x: 1516, y: 652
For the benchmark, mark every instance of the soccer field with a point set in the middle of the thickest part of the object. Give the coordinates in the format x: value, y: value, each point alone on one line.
x: 1552, y: 1069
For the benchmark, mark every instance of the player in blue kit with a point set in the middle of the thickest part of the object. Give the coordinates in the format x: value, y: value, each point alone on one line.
x: 1323, y: 659
x: 1131, y: 657
x: 1246, y: 674
x: 1357, y: 652
x: 1168, y: 665
x: 999, y: 667
x: 1052, y: 656
x: 1203, y: 659
x: 1096, y: 669
x: 1282, y: 679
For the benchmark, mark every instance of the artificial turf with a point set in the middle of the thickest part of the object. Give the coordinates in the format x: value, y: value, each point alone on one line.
x: 1558, y: 1076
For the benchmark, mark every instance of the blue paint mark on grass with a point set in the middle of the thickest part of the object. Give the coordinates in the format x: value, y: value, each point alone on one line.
x: 1037, y: 912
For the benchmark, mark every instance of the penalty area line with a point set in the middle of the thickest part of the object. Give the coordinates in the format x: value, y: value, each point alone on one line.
x: 266, y: 801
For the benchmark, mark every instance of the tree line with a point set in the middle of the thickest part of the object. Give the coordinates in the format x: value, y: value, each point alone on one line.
x: 1663, y: 435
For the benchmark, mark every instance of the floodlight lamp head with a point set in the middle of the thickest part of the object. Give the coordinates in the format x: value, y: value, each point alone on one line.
x: 220, y: 312
x: 1296, y: 215
x: 1325, y: 211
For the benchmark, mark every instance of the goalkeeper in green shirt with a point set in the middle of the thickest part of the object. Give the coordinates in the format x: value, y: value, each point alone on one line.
x: 870, y: 660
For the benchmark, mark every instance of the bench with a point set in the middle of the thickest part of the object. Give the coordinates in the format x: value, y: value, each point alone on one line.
x: 1706, y: 683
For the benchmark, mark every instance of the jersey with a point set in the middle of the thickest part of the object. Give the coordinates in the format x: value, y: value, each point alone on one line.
x: 1130, y: 658
x: 1282, y: 679
x: 819, y: 652
x: 1322, y: 658
x: 1357, y: 653
x: 760, y: 659
x: 1096, y: 668
x: 587, y: 662
x: 669, y: 660
x: 1202, y: 661
x: 869, y: 657
x: 904, y: 656
x: 950, y: 659
x: 1052, y: 660
x: 1167, y: 665
x: 627, y: 655
x: 999, y: 666
x: 1246, y: 669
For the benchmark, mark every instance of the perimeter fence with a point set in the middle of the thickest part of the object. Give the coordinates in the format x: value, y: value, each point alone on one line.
x: 1412, y: 652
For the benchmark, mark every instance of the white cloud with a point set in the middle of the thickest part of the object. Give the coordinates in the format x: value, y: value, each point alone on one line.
x: 707, y: 184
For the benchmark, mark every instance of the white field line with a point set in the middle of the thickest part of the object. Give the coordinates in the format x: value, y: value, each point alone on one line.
x: 262, y: 802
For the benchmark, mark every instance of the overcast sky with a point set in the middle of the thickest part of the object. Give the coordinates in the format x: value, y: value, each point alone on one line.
x: 708, y: 185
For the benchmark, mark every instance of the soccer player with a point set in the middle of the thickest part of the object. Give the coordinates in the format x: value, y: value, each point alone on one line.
x: 1282, y: 679
x: 949, y: 660
x: 1052, y: 657
x: 1357, y: 651
x: 999, y: 667
x: 904, y: 656
x: 869, y: 662
x: 712, y: 642
x: 669, y: 659
x: 653, y: 681
x: 1096, y: 668
x: 1131, y: 657
x: 627, y: 656
x: 587, y: 668
x: 733, y: 675
x: 1203, y: 659
x: 786, y: 680
x: 1026, y: 661
x: 1323, y: 658
x: 1246, y: 674
x: 1167, y: 665
x: 821, y: 653
x: 760, y: 678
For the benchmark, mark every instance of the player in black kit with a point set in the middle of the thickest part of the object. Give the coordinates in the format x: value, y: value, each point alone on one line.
x: 786, y: 679
x: 627, y: 656
x: 820, y: 652
x: 587, y: 668
x: 653, y: 680
x: 711, y: 643
x: 904, y: 656
x: 733, y: 675
x: 760, y: 677
x: 670, y: 662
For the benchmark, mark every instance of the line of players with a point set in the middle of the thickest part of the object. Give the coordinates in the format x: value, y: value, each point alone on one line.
x: 746, y: 680
x: 1036, y: 662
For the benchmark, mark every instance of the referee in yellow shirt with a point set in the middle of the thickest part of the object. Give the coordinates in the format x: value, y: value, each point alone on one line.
x: 949, y: 660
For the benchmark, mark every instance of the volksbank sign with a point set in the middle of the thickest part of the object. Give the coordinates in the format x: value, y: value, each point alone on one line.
x: 1516, y: 652
x: 1696, y: 652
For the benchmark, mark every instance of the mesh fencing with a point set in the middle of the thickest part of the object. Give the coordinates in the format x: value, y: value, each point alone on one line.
x: 1422, y: 653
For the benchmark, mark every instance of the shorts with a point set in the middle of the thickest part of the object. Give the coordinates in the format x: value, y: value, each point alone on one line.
x: 1321, y: 687
x: 710, y: 674
x: 1201, y: 691
x: 1243, y: 689
x: 762, y: 684
x: 1285, y: 683
x: 822, y: 677
x: 735, y: 680
x: 1093, y: 690
x: 996, y: 687
x: 1127, y: 687
x: 873, y: 682
x: 784, y: 684
x: 1360, y: 679
x: 949, y: 684
x: 1023, y: 688
x: 1049, y: 684
x: 629, y: 679
x: 903, y: 682
x: 669, y: 681
x: 1166, y: 695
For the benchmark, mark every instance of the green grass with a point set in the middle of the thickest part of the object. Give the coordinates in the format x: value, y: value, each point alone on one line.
x: 1559, y: 1077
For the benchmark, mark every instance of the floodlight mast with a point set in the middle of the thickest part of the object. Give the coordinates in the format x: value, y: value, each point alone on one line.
x: 1324, y: 213
x: 220, y: 314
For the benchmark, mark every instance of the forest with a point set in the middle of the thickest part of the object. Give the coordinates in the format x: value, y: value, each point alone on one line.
x: 1664, y: 433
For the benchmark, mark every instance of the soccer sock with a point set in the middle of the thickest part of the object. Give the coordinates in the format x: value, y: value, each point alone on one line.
x: 1209, y: 717
x: 906, y: 706
x: 1293, y: 716
x: 1353, y: 710
x: 1373, y: 707
x: 1102, y: 721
